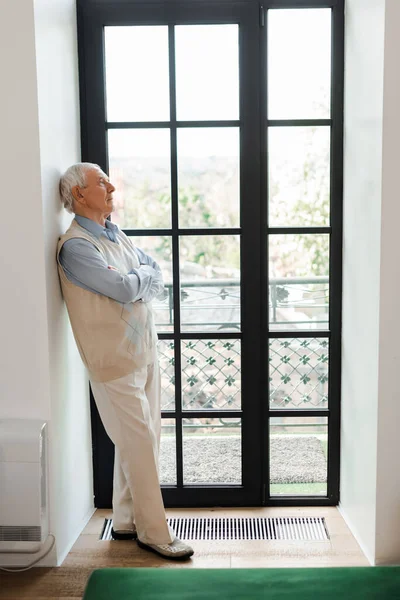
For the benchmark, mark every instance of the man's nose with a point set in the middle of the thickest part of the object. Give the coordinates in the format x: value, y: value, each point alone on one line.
x: 111, y: 187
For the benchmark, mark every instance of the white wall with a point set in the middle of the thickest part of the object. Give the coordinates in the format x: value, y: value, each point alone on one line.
x: 57, y: 74
x: 363, y: 108
x: 388, y: 463
x: 370, y: 481
x: 24, y: 380
x: 42, y: 374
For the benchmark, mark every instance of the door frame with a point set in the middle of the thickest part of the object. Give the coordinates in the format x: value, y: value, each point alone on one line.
x: 255, y: 414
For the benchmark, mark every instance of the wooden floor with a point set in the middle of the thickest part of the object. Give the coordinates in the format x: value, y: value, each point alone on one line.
x: 88, y: 553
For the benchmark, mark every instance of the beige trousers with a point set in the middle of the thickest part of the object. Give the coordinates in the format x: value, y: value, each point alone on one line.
x: 130, y: 410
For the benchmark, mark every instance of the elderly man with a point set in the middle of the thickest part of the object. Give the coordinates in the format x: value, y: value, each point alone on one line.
x: 108, y: 285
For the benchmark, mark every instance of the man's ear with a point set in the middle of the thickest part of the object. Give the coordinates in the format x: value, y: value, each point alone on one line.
x: 77, y: 194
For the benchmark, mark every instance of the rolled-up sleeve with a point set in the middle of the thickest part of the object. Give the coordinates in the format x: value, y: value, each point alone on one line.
x: 85, y: 266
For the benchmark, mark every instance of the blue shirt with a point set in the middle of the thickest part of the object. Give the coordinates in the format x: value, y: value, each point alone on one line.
x: 85, y: 266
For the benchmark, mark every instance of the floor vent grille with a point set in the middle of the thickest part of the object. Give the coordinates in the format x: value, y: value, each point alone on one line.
x: 231, y: 528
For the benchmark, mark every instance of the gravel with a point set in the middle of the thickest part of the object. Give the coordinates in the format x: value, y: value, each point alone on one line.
x: 294, y: 459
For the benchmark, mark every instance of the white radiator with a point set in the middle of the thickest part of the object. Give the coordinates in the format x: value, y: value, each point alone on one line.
x: 23, y: 485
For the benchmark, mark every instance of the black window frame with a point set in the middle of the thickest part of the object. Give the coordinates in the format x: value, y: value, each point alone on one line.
x: 252, y: 15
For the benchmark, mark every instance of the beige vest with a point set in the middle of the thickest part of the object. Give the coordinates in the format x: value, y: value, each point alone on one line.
x: 113, y: 338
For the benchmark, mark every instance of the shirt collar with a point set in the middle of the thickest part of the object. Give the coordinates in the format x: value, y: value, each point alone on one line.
x: 93, y: 227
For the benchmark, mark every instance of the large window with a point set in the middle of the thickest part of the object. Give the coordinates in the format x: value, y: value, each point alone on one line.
x: 220, y: 125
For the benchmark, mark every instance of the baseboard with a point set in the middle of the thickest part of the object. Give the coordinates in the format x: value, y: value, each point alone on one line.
x: 355, y: 534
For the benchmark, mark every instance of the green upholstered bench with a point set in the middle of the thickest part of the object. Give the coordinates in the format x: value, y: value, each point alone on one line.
x: 355, y: 583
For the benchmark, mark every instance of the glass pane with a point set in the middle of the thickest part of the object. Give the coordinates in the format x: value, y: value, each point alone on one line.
x: 165, y: 350
x: 299, y: 176
x: 298, y: 456
x: 137, y: 73
x: 160, y: 248
x: 167, y: 460
x: 140, y: 169
x: 299, y: 281
x: 207, y: 72
x: 299, y: 63
x: 208, y: 177
x: 210, y: 282
x: 298, y: 373
x: 211, y: 376
x: 212, y: 451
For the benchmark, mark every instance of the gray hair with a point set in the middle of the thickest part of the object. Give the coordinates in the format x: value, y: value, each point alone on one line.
x: 75, y: 175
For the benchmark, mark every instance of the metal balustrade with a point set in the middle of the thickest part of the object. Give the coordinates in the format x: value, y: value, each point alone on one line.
x: 211, y: 369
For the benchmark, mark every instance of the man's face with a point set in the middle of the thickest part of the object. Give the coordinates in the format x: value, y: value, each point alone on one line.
x: 97, y: 195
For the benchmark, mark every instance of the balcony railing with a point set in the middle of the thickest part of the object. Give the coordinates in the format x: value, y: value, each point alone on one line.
x: 214, y: 304
x: 211, y: 368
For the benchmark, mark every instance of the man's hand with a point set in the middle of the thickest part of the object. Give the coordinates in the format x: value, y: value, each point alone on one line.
x: 155, y: 288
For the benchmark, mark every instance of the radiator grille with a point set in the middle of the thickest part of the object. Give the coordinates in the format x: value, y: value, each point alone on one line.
x: 231, y: 528
x: 20, y: 533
